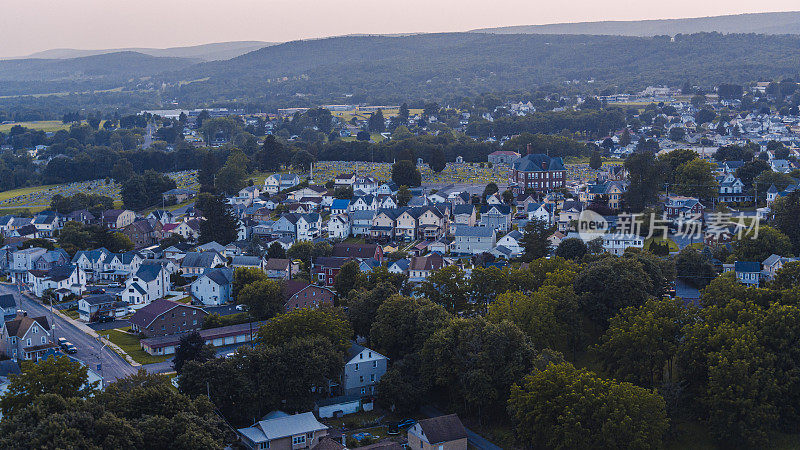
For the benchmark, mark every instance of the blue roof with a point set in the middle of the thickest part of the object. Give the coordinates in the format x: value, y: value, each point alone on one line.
x: 340, y: 204
x: 747, y: 266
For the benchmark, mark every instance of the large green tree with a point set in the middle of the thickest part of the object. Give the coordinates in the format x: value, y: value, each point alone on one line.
x: 403, y: 324
x: 565, y: 407
x: 645, y: 174
x: 405, y: 173
x: 220, y: 225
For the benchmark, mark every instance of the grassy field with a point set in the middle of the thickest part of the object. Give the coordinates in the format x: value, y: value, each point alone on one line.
x: 130, y: 344
x: 673, y: 246
x: 5, y: 195
x: 43, y: 125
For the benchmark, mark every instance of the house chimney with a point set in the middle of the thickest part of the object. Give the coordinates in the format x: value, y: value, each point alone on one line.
x: 529, y: 148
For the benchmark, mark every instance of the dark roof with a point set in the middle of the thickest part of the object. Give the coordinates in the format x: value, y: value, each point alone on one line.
x: 443, y: 429
x: 463, y: 209
x: 223, y: 276
x: 99, y: 299
x: 294, y: 286
x: 502, y: 209
x: 148, y: 272
x: 343, y: 250
x: 747, y: 266
x: 211, y: 333
x: 146, y: 315
x: 327, y: 443
x: 538, y: 162
x: 199, y: 259
x: 7, y: 301
x: 277, y: 264
x: 27, y: 230
x: 433, y: 261
x: 331, y: 261
x: 19, y: 326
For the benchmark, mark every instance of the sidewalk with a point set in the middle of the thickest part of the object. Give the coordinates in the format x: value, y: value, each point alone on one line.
x: 88, y: 330
x: 473, y: 438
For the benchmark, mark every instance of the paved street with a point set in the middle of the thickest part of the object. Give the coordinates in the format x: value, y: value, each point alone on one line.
x: 89, y: 349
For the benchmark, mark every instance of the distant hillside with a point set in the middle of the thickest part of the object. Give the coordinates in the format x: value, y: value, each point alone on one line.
x: 205, y: 52
x: 762, y: 23
x: 453, y: 64
x: 119, y: 66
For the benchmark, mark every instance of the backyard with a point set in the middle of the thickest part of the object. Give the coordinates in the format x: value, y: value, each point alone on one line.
x: 129, y: 343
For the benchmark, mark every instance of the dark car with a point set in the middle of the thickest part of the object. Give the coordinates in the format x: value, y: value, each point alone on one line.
x: 70, y: 348
x: 105, y: 319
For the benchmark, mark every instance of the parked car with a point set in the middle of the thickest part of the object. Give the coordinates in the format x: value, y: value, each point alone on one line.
x: 105, y: 319
x: 70, y: 348
x: 241, y: 307
x: 61, y: 342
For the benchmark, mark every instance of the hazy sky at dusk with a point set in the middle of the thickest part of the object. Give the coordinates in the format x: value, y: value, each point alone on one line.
x: 28, y: 26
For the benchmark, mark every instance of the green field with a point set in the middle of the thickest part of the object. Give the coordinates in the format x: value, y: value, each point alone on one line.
x: 43, y: 125
x: 130, y: 344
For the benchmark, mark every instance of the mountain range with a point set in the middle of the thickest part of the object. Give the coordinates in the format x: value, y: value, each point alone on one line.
x: 204, y: 52
x: 760, y: 23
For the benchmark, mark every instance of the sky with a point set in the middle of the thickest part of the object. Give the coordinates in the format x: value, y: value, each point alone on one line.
x: 28, y: 26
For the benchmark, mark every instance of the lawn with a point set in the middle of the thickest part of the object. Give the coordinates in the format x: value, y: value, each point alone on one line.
x: 673, y: 246
x: 129, y: 343
x: 5, y: 195
x: 71, y: 313
x: 43, y: 125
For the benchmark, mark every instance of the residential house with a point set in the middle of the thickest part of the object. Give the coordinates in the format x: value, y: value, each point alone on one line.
x: 387, y: 188
x: 117, y: 219
x: 513, y: 242
x: 63, y: 280
x: 617, y: 243
x: 421, y: 267
x: 214, y: 287
x: 360, y: 251
x: 679, y: 207
x: 23, y: 261
x: 217, y: 337
x: 27, y: 338
x: 569, y: 214
x: 94, y: 307
x: 164, y: 317
x: 363, y: 203
x: 465, y: 214
x: 544, y: 212
x: 81, y: 216
x: 771, y: 265
x: 302, y: 227
x: 438, y: 433
x: 8, y: 308
x: 497, y: 217
x: 247, y: 262
x: 345, y: 179
x: 324, y: 269
x: 120, y: 266
x: 149, y: 282
x: 339, y: 226
x: 278, y: 268
x: 433, y: 221
x: 406, y: 224
x: 91, y: 261
x: 195, y: 263
x: 280, y: 181
x: 365, y: 184
x: 747, y: 272
x: 400, y: 266
x: 473, y: 240
x: 301, y: 294
x: 46, y: 223
x: 363, y: 370
x: 189, y: 229
x: 141, y: 233
x: 280, y: 431
x: 51, y: 258
x: 361, y: 222
x: 340, y: 206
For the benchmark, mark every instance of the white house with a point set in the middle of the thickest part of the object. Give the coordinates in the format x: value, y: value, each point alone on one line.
x: 151, y: 281
x: 617, y: 243
x: 213, y: 287
x: 280, y: 181
x: 473, y: 240
x: 63, y: 280
x: 511, y: 241
x: 339, y: 227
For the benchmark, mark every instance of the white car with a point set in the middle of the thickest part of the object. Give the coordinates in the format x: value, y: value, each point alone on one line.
x: 241, y: 307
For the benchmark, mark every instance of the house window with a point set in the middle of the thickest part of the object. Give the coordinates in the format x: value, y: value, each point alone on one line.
x: 29, y: 342
x: 372, y: 378
x: 356, y: 366
x: 361, y: 379
x: 296, y: 440
x: 374, y: 364
x: 263, y: 445
x: 363, y: 391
